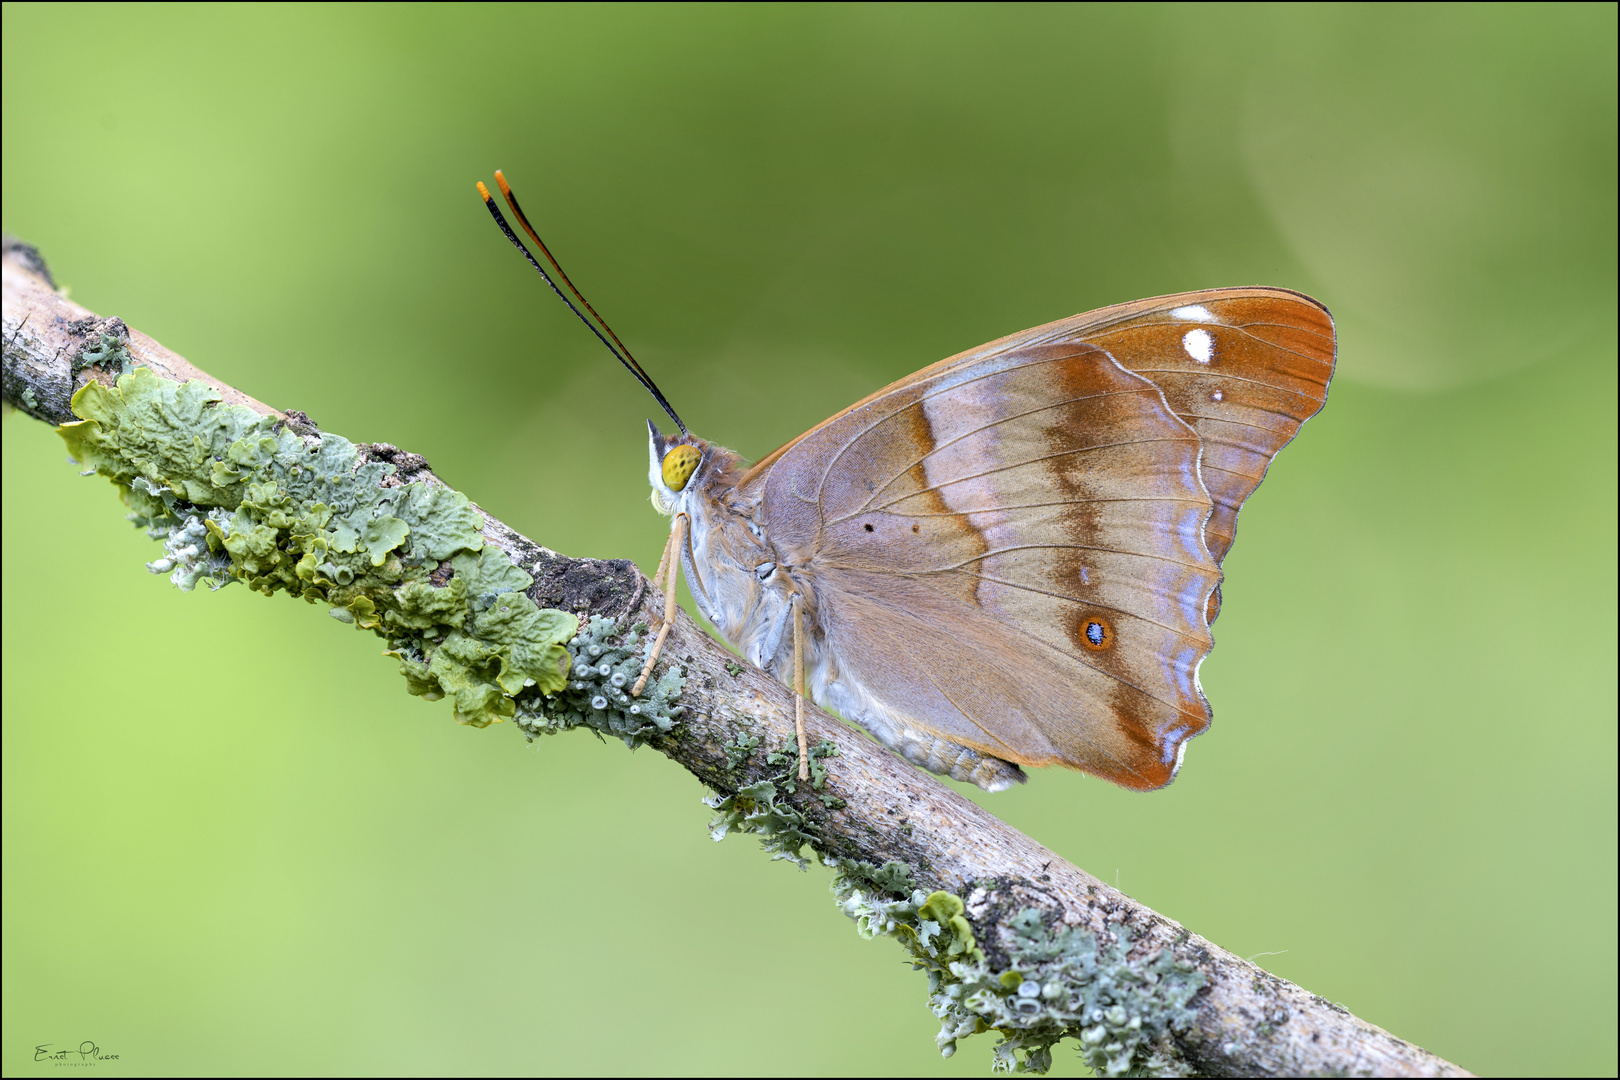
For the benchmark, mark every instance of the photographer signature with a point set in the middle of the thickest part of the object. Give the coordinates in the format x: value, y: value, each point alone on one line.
x: 86, y: 1053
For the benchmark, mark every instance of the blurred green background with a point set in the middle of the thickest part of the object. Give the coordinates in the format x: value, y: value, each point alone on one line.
x: 233, y: 844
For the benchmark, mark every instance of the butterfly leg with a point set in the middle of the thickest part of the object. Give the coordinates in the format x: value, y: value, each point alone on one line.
x: 668, y: 568
x: 798, y: 686
x: 664, y: 559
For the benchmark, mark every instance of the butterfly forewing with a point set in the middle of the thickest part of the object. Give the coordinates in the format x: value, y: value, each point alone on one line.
x: 1244, y: 367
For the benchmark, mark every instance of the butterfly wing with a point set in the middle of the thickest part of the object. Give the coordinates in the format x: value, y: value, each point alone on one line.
x: 1261, y: 372
x: 1010, y: 553
x: 1243, y: 367
x: 1029, y: 519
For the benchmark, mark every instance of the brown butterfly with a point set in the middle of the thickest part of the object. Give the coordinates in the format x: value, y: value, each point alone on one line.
x: 1011, y: 557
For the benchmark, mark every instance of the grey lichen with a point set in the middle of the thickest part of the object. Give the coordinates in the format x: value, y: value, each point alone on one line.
x: 604, y: 668
x: 284, y: 507
x: 1056, y: 983
x: 758, y: 808
x: 1047, y: 983
x: 739, y: 749
x: 106, y: 346
x: 187, y: 558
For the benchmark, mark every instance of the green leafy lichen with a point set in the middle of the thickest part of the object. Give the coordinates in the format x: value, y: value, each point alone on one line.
x: 236, y: 496
x: 1063, y: 983
x: 490, y: 643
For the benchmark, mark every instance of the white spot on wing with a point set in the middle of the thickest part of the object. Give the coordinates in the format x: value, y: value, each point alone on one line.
x: 1196, y: 312
x: 1217, y: 396
x: 1200, y: 345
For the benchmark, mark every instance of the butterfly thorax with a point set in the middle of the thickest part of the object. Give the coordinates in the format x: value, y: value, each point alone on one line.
x: 738, y: 579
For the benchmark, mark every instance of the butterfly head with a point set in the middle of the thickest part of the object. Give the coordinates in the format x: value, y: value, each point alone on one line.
x: 672, y: 463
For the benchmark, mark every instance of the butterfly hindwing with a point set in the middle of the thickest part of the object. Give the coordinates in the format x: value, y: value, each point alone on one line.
x: 1030, y: 525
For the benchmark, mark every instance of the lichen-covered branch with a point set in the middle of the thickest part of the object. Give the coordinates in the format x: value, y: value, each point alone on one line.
x: 1010, y: 937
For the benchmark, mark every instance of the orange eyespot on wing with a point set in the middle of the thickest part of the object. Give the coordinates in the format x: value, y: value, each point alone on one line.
x: 1094, y: 633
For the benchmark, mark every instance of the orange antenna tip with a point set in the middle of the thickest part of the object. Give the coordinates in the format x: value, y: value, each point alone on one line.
x: 602, y: 331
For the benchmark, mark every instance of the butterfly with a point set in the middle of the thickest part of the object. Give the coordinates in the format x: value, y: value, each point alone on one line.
x: 1012, y: 557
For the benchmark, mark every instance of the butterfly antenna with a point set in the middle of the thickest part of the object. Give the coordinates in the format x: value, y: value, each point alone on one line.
x: 620, y: 352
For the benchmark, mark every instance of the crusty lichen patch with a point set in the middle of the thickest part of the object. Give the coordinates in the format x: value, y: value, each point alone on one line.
x: 783, y: 829
x: 236, y: 496
x: 106, y: 345
x: 604, y: 666
x: 1057, y: 983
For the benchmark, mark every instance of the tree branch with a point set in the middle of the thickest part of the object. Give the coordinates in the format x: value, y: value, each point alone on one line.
x: 1013, y: 912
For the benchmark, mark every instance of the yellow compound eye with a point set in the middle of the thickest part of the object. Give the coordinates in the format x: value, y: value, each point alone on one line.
x: 679, y: 464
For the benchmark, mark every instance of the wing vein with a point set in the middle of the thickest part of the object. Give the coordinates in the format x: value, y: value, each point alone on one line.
x: 867, y: 507
x: 886, y: 509
x: 854, y: 438
x: 1206, y: 644
x: 1006, y: 420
